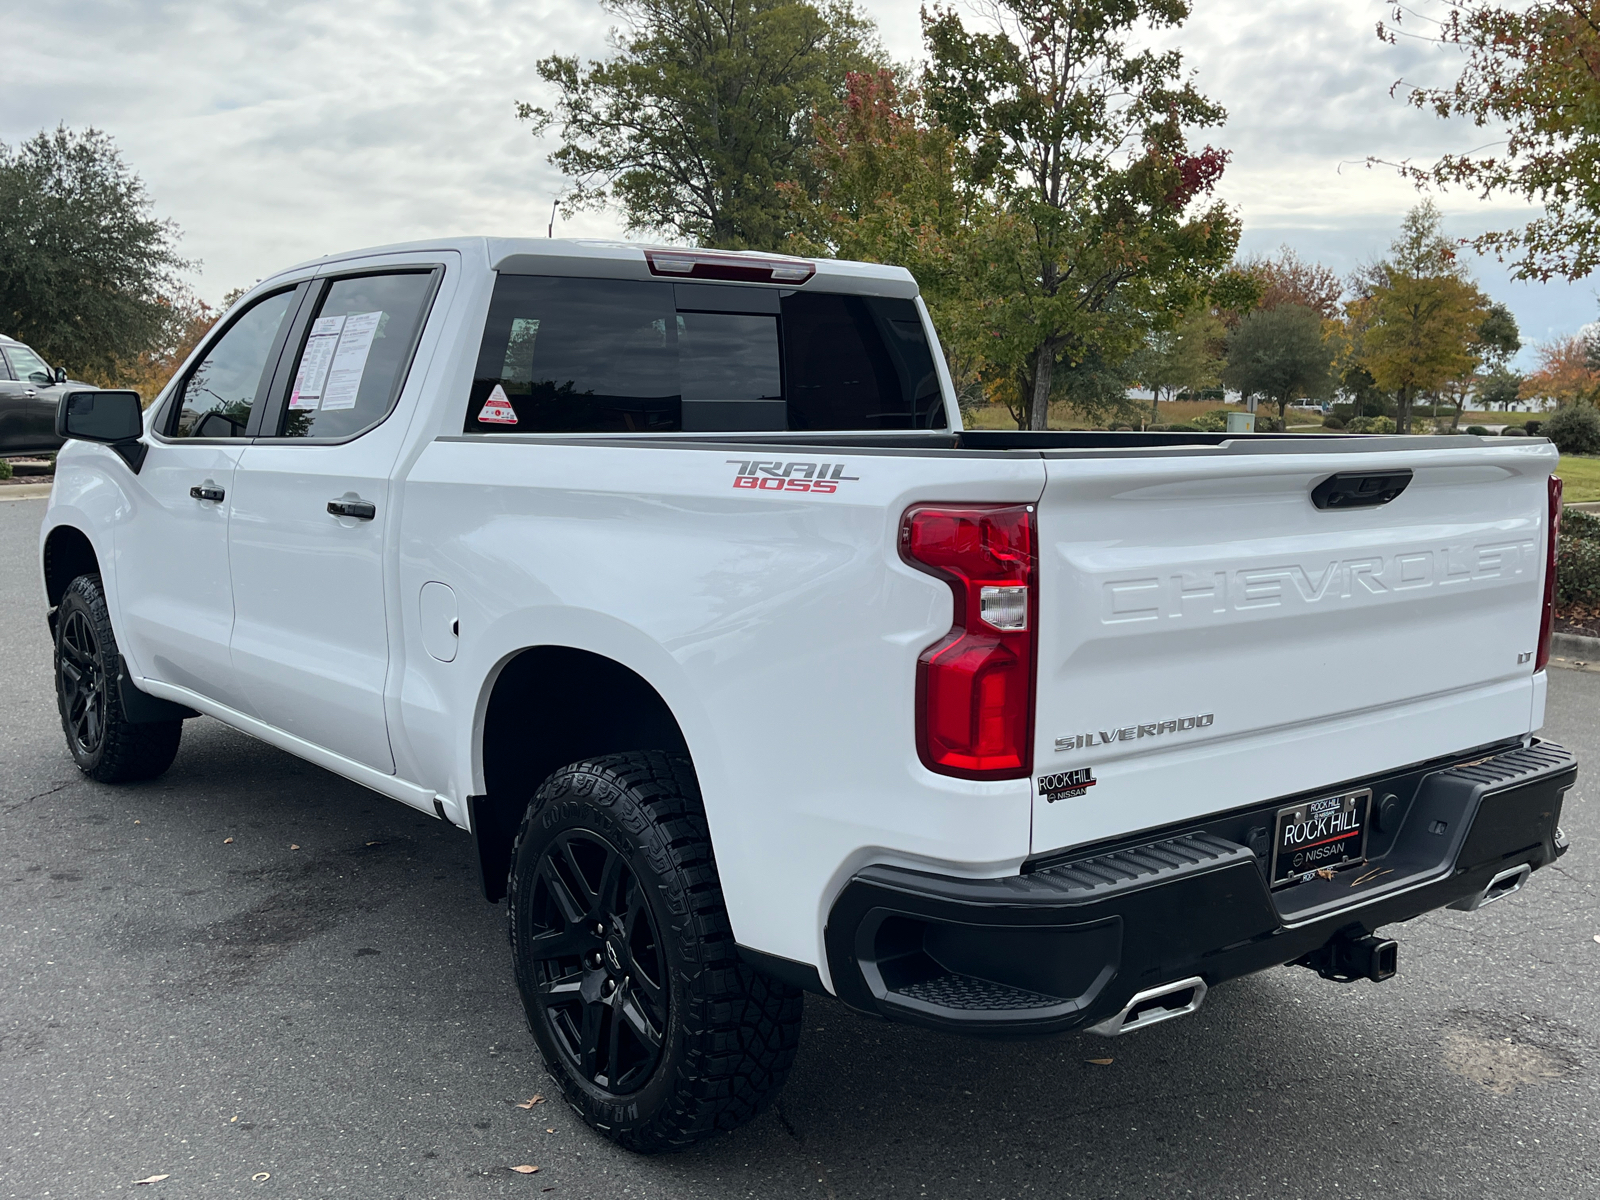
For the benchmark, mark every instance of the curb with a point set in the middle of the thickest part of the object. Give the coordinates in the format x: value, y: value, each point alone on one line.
x: 1575, y: 647
x: 25, y: 491
x: 1588, y: 506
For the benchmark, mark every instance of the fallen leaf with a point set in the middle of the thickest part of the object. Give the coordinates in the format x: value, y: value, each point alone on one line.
x: 1597, y: 937
x: 260, y: 1177
x: 1100, y: 1062
x: 227, y: 841
x: 374, y: 843
x: 532, y: 1102
x: 524, y: 1169
x: 152, y: 1179
x: 231, y: 1120
x: 138, y: 822
x: 292, y: 846
x: 1325, y: 872
x: 549, y: 1130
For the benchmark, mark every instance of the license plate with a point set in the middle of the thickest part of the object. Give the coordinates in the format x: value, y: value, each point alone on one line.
x: 1319, y: 835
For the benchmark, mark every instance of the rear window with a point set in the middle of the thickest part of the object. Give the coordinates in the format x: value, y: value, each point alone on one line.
x: 615, y: 356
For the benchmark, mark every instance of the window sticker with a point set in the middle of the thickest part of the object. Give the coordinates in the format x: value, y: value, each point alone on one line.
x: 314, y: 363
x: 350, y: 360
x: 497, y: 409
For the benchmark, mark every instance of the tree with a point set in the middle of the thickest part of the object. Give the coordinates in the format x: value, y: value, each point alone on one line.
x: 1080, y: 143
x: 1419, y: 314
x: 84, y: 266
x: 187, y: 321
x: 1565, y: 374
x: 704, y: 109
x: 1533, y: 69
x: 1280, y: 354
x: 1287, y: 280
x: 1187, y: 357
x: 1499, y: 385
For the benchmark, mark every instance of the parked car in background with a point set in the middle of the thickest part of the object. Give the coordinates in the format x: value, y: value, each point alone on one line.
x: 29, y: 392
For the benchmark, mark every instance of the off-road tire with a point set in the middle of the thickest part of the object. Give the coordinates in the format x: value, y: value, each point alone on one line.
x: 730, y: 1032
x: 107, y: 746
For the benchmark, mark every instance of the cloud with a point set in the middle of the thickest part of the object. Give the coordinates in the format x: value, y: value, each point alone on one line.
x: 275, y: 132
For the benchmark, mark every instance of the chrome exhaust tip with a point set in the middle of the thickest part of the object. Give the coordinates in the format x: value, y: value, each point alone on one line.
x: 1502, y: 885
x: 1154, y: 1006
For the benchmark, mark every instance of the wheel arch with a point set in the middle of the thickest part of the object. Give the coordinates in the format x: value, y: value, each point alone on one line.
x: 67, y: 553
x: 549, y: 706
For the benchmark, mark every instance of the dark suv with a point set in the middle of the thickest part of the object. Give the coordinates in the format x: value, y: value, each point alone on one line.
x: 29, y: 390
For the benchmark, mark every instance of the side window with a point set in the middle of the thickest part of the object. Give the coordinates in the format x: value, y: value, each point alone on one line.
x: 29, y: 367
x: 5, y: 372
x: 577, y: 356
x: 858, y: 362
x: 356, y: 352
x: 216, y: 398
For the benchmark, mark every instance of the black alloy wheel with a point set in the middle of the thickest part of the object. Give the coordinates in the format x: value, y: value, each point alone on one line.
x: 82, y: 676
x: 105, y: 744
x: 601, y: 974
x: 652, y: 1025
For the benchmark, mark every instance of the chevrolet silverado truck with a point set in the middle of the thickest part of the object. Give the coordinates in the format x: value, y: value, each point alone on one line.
x: 673, y: 578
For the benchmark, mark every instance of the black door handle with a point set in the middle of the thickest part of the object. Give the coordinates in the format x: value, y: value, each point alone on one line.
x: 207, y: 492
x: 361, y: 510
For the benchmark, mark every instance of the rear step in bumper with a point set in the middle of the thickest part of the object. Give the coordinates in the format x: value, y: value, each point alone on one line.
x: 1132, y: 936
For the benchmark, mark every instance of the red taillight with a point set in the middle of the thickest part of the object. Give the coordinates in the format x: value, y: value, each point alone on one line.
x: 1548, y: 617
x: 975, y: 685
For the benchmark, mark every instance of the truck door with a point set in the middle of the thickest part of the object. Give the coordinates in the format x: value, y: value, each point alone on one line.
x: 172, y: 556
x: 311, y: 514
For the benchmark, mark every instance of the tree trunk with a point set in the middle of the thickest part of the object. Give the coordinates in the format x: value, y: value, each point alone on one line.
x: 1044, y: 367
x: 1402, y: 411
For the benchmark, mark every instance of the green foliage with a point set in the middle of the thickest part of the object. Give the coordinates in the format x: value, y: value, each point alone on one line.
x: 1578, y: 559
x: 703, y: 111
x: 1419, y: 315
x: 1331, y: 421
x: 1214, y: 421
x: 1499, y: 385
x: 1479, y: 430
x: 5, y: 469
x: 1530, y: 77
x: 1371, y: 425
x: 84, y: 267
x: 1280, y: 354
x: 1080, y: 240
x: 1574, y: 429
x: 1187, y: 356
x: 1498, y: 335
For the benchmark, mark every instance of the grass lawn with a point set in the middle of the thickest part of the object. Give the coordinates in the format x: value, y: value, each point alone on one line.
x: 1580, y: 477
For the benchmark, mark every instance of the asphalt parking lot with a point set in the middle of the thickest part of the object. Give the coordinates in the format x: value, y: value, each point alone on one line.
x: 257, y: 979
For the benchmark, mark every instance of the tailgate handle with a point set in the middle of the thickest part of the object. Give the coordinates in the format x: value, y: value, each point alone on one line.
x: 1360, y: 489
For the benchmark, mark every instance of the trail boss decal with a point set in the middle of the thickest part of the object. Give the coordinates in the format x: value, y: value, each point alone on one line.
x: 1063, y: 785
x: 1129, y: 733
x: 779, y: 476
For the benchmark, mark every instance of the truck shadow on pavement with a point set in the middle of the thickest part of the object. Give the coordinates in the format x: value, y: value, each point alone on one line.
x: 330, y: 924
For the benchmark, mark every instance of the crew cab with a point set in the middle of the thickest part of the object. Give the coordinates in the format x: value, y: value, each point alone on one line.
x: 673, y: 579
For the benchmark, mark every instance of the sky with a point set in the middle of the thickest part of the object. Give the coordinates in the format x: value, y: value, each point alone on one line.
x: 273, y: 131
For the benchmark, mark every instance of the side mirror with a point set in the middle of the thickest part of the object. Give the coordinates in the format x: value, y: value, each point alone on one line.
x: 61, y: 374
x: 113, y: 418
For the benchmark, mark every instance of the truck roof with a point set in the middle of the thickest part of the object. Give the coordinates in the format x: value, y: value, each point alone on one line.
x: 616, y: 259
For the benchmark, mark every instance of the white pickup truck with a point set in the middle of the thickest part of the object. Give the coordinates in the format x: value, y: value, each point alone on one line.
x: 673, y: 577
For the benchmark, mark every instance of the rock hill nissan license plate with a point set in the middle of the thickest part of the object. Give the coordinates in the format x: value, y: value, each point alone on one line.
x: 1320, y: 835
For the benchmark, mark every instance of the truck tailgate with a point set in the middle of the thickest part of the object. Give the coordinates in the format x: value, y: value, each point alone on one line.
x: 1209, y: 638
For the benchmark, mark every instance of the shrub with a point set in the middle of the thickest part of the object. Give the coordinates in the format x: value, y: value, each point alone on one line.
x: 1531, y: 428
x: 1578, y: 571
x: 1184, y: 429
x: 1371, y: 425
x: 1579, y: 524
x: 5, y: 469
x: 1332, y: 421
x: 1478, y: 429
x: 1266, y: 424
x: 1513, y: 431
x: 1574, y: 430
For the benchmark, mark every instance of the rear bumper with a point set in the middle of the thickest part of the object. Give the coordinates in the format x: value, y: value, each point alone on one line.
x: 1069, y: 944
